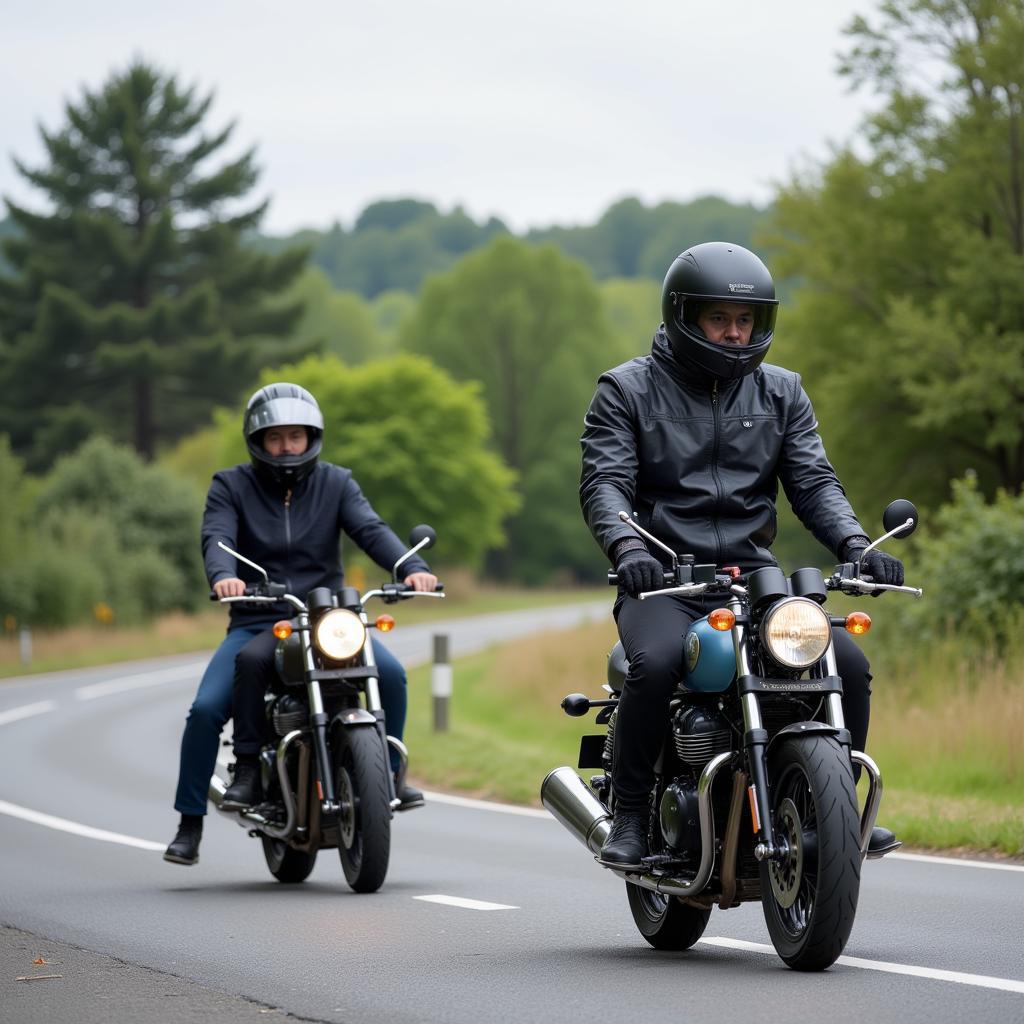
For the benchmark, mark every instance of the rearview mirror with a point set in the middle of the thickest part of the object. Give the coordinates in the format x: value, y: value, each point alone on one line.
x: 422, y: 533
x: 898, y: 512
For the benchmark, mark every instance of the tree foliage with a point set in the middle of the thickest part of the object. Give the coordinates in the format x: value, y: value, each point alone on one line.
x: 133, y: 289
x: 910, y: 323
x: 417, y: 442
x: 527, y: 323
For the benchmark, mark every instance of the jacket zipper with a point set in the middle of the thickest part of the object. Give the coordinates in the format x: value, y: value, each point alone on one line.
x: 714, y: 473
x: 288, y: 530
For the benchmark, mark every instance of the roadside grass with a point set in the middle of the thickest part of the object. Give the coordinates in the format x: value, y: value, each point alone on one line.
x: 85, y: 646
x: 946, y: 731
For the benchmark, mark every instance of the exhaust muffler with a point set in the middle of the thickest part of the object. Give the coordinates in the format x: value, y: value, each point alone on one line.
x: 575, y: 807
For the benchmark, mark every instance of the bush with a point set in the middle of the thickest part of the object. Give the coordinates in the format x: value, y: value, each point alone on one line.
x: 970, y: 562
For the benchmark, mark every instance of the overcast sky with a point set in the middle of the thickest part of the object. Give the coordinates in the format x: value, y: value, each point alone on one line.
x: 538, y: 111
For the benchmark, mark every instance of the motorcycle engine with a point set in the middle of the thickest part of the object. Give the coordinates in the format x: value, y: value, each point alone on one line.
x: 698, y: 734
x: 288, y: 713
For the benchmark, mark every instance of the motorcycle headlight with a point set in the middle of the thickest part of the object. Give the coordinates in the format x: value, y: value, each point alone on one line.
x: 339, y: 634
x: 796, y: 632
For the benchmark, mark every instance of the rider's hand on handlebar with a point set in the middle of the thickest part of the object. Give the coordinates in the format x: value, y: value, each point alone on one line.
x: 639, y: 571
x: 230, y: 587
x: 425, y: 581
x: 882, y: 568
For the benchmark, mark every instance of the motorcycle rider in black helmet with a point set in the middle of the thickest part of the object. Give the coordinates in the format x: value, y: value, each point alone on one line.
x: 286, y: 511
x: 694, y: 439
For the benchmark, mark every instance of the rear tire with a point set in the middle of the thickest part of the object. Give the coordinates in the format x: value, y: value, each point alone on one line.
x: 810, y: 896
x: 364, y: 823
x: 286, y: 864
x: 665, y: 921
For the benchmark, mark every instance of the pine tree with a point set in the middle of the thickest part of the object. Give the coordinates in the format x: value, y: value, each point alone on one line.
x: 135, y: 306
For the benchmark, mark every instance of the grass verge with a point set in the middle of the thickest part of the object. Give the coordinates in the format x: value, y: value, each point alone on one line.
x: 946, y: 733
x: 86, y: 646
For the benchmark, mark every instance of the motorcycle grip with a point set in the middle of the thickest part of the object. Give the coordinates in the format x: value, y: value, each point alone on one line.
x: 613, y: 578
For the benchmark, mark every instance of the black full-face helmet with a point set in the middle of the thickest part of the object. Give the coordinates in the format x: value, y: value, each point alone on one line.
x: 283, y: 405
x: 723, y: 272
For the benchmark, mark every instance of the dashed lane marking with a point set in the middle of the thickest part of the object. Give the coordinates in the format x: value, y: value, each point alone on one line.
x: 143, y: 679
x: 459, y: 901
x: 931, y: 973
x: 26, y: 711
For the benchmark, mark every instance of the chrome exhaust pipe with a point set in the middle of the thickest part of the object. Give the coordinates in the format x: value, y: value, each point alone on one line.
x: 217, y: 788
x: 566, y: 796
x: 575, y: 807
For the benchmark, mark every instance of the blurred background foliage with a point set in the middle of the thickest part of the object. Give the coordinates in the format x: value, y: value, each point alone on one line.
x: 140, y: 304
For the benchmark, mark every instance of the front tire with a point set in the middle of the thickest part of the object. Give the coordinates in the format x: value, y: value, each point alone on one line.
x: 810, y: 895
x: 364, y: 823
x: 286, y: 864
x: 665, y: 921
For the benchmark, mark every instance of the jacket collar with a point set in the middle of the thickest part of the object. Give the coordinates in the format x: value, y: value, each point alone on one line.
x: 691, y: 380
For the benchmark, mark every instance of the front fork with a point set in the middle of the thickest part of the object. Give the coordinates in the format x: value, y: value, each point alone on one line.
x: 318, y: 719
x: 756, y: 744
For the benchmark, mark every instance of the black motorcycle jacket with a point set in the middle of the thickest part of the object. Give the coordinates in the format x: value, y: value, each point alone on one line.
x: 294, y: 534
x: 699, y: 463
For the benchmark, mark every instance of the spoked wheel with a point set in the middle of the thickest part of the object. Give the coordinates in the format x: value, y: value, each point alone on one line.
x: 809, y: 893
x: 665, y: 921
x: 364, y: 823
x: 286, y: 864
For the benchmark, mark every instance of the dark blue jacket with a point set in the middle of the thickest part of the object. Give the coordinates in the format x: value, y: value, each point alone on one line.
x: 295, y: 535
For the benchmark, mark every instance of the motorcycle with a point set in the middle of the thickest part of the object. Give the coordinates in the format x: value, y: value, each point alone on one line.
x: 755, y: 731
x: 327, y: 779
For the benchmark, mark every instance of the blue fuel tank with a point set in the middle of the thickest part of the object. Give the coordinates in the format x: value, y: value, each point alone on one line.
x: 709, y: 660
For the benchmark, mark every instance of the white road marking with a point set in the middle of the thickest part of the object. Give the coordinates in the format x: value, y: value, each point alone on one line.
x: 167, y: 675
x: 458, y: 901
x: 26, y: 711
x: 927, y: 858
x: 486, y: 805
x: 534, y: 812
x: 933, y: 974
x: 86, y: 831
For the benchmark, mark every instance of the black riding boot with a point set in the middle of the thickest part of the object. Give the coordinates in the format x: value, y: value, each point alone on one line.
x: 184, y: 847
x: 246, y: 789
x: 627, y: 841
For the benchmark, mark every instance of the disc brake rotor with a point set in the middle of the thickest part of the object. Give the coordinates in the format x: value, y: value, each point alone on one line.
x: 347, y: 814
x: 787, y: 873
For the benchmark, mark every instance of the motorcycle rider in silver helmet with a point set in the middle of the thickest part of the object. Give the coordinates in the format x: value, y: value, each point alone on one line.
x: 285, y: 510
x: 694, y: 439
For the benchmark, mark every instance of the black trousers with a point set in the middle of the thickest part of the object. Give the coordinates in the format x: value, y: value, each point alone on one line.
x: 651, y: 633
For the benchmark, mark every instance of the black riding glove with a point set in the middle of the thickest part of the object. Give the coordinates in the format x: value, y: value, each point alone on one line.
x: 638, y: 571
x: 882, y: 568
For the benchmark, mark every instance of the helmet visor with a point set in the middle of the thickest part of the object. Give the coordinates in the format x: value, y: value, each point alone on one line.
x: 707, y: 317
x: 280, y: 412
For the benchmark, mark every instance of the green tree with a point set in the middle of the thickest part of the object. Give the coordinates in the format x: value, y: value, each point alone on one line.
x: 339, y: 322
x: 527, y: 323
x: 134, y: 289
x: 910, y: 322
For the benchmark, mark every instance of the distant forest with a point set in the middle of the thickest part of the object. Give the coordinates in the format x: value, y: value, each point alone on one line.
x: 395, y: 244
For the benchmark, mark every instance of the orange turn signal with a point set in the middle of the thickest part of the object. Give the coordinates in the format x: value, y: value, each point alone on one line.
x: 858, y: 623
x: 722, y: 619
x: 385, y: 623
x: 282, y: 629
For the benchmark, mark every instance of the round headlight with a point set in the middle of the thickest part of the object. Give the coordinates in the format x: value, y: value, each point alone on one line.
x: 796, y: 632
x: 339, y: 634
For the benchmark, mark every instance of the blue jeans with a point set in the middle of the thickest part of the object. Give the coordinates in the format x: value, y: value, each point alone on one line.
x: 211, y: 710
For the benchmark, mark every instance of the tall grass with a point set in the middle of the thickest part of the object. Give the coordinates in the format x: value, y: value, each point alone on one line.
x: 947, y: 730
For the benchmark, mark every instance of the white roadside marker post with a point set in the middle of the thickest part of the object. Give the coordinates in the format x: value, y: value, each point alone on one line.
x: 441, y: 682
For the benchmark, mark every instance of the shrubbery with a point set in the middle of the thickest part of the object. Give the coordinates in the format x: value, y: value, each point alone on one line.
x: 102, y: 529
x: 970, y: 561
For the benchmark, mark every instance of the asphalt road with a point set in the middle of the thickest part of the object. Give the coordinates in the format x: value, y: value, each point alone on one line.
x: 488, y: 913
